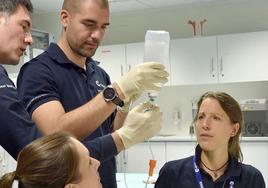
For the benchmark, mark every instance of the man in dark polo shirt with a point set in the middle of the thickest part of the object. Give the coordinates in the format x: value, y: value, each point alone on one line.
x: 65, y: 89
x: 16, y: 127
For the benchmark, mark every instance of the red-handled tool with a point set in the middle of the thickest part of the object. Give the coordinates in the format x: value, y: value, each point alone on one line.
x: 193, y: 25
x: 202, y: 26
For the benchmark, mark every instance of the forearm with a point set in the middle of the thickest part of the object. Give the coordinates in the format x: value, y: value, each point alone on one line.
x: 84, y: 120
x: 119, y: 120
x: 81, y: 122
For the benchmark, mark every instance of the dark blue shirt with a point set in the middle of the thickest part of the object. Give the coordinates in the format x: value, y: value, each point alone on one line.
x: 52, y: 76
x: 180, y: 174
x: 16, y: 127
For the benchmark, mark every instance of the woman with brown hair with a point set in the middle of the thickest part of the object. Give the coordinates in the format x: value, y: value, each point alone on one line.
x: 218, y: 157
x: 54, y: 161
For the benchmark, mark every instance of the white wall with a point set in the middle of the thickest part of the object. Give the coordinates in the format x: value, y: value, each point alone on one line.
x: 238, y: 16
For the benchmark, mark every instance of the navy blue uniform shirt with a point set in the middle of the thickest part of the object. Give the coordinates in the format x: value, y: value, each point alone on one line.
x: 180, y: 174
x: 52, y: 76
x: 16, y: 127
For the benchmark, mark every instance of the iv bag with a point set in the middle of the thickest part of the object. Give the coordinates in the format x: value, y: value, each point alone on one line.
x: 156, y: 48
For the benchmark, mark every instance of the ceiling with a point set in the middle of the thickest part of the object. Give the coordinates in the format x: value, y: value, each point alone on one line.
x: 41, y: 6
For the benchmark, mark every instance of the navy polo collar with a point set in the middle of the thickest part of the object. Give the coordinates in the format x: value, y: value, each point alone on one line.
x: 56, y: 53
x: 233, y: 169
x: 3, y: 70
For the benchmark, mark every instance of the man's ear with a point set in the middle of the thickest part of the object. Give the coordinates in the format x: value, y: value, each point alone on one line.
x: 64, y: 18
x: 2, y: 18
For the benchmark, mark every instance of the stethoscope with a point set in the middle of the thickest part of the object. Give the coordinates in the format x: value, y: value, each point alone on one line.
x: 198, y: 176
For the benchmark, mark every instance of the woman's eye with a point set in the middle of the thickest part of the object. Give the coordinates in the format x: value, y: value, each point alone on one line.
x: 216, y: 118
x: 104, y: 27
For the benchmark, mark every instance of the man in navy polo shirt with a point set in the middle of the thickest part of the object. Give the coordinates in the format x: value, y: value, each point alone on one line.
x: 62, y: 87
x: 16, y: 127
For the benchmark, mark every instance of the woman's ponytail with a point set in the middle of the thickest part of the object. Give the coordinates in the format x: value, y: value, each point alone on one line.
x: 6, y: 180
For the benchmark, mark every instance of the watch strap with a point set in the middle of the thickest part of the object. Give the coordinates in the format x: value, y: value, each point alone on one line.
x: 118, y: 101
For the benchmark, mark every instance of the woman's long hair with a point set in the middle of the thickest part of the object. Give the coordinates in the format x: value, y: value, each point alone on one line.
x: 51, y: 161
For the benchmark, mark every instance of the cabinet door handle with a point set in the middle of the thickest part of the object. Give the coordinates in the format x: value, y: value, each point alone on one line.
x: 129, y: 67
x: 122, y: 71
x: 221, y: 67
x: 212, y: 67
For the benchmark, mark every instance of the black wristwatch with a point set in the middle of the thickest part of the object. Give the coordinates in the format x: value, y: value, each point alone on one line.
x: 109, y: 94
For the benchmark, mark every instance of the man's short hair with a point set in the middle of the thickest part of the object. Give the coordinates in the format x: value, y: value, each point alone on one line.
x: 10, y: 6
x: 73, y: 5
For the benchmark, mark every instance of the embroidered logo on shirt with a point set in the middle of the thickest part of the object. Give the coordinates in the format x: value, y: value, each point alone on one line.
x: 100, y: 86
x: 231, y: 183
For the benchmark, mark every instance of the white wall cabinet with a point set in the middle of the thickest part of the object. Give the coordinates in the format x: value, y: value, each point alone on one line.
x: 231, y: 58
x: 239, y: 57
x: 112, y: 59
x: 193, y: 61
x: 243, y: 57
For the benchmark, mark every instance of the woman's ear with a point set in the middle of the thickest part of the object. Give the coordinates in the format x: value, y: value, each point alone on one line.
x: 236, y: 127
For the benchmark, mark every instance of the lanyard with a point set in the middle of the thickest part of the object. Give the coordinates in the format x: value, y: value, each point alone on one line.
x: 199, y: 177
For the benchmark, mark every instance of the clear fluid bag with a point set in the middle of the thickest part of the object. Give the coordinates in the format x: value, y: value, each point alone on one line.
x: 156, y: 48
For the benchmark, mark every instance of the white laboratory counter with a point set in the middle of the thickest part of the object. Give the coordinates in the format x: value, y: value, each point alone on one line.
x: 193, y: 139
x: 168, y: 148
x: 134, y: 180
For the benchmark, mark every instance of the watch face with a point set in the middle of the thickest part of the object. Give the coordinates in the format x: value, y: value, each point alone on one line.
x: 109, y: 93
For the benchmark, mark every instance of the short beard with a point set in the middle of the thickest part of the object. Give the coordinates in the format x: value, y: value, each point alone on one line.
x: 82, y: 53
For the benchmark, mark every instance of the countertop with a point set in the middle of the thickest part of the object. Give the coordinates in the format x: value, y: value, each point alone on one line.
x: 176, y: 138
